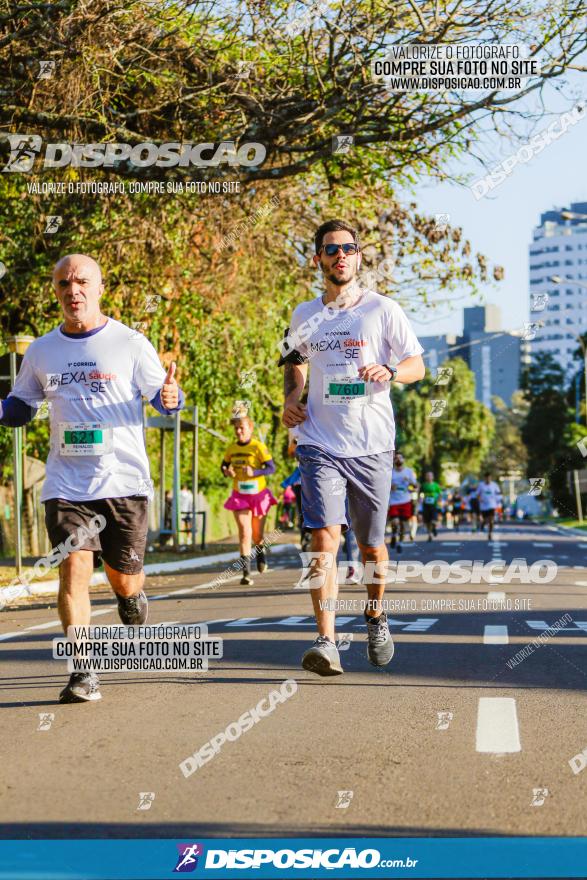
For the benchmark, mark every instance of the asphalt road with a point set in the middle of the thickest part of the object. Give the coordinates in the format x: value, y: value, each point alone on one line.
x: 452, y: 738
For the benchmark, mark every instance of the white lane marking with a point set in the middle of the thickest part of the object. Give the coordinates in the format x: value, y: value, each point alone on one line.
x: 497, y: 726
x: 582, y: 583
x: 541, y: 544
x: 496, y: 596
x: 57, y: 624
x: 582, y: 546
x: 496, y: 635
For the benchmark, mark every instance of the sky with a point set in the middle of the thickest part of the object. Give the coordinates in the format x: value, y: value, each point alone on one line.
x: 500, y: 224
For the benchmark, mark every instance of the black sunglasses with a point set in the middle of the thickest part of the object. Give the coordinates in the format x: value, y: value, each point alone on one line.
x: 347, y: 248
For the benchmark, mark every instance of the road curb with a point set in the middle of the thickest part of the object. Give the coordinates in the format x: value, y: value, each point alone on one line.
x: 50, y: 588
x: 569, y: 530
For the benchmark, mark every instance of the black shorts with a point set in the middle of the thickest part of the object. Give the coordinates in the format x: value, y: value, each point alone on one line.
x: 488, y: 514
x: 121, y: 542
x: 429, y: 513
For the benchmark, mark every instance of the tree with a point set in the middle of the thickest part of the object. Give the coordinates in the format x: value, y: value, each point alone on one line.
x: 462, y: 432
x: 507, y: 453
x: 545, y: 430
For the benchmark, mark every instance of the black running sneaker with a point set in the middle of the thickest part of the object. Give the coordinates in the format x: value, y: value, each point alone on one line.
x: 247, y: 580
x: 261, y: 559
x: 380, y: 648
x: 82, y: 687
x: 133, y: 610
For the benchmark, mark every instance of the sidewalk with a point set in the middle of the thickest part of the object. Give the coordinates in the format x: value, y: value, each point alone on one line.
x: 40, y: 588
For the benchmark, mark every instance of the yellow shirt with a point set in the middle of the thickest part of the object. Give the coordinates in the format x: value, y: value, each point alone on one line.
x: 252, y: 454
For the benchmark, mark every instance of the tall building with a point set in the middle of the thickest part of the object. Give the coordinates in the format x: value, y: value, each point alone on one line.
x: 559, y: 249
x: 494, y: 355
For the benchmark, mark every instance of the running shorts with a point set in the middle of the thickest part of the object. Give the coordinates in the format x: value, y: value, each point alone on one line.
x: 401, y: 511
x: 122, y: 541
x: 328, y: 483
x: 429, y: 513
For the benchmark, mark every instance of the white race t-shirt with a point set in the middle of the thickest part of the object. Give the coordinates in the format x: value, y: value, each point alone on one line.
x: 347, y: 416
x: 401, y: 480
x: 94, y: 386
x: 489, y: 496
x: 186, y: 501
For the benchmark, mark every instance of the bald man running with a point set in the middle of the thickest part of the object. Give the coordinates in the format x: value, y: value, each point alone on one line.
x: 93, y: 371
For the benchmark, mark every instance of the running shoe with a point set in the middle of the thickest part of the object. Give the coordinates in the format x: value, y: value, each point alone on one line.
x: 429, y: 537
x: 133, y: 610
x: 322, y: 658
x: 434, y: 529
x: 261, y: 559
x: 247, y: 580
x: 82, y: 687
x: 380, y: 648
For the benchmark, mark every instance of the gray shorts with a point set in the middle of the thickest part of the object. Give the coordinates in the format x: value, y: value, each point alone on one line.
x: 332, y: 485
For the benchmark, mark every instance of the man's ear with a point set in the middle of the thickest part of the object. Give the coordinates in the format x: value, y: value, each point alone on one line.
x: 359, y: 259
x: 101, y: 291
x: 316, y: 259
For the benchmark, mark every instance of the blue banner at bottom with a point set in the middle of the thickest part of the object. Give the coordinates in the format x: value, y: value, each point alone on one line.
x: 373, y: 858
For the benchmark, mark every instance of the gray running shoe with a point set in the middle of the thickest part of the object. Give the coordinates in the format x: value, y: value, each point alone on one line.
x: 133, y: 610
x: 82, y: 687
x: 322, y: 658
x: 380, y: 648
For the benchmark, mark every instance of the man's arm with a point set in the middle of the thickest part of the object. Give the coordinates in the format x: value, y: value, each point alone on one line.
x: 411, y: 369
x: 14, y: 412
x: 294, y: 381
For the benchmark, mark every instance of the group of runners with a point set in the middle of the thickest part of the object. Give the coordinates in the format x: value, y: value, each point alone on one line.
x: 411, y: 502
x: 94, y: 371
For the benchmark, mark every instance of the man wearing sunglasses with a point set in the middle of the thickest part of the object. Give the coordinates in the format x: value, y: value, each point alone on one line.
x: 346, y: 433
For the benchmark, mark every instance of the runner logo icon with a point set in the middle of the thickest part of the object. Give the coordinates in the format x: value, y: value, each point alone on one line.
x: 187, y: 859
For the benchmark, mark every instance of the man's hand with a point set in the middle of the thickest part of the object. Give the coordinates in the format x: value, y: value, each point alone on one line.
x: 229, y: 471
x: 374, y: 373
x: 248, y: 471
x: 294, y: 413
x: 170, y: 389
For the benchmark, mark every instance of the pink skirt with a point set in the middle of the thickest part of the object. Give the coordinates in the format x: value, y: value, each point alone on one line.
x: 258, y: 504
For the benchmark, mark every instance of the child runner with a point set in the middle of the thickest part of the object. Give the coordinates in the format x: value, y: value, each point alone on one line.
x: 248, y: 462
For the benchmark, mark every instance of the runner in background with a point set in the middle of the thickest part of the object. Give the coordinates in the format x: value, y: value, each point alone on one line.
x: 413, y: 524
x: 404, y: 482
x: 490, y: 497
x: 458, y: 508
x: 248, y: 462
x: 295, y: 481
x: 474, y: 506
x: 431, y: 493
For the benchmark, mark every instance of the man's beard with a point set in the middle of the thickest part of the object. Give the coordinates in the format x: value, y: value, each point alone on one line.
x: 337, y: 281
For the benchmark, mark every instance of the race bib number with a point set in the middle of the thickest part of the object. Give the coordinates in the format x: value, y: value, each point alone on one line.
x: 345, y: 390
x: 85, y: 438
x: 429, y: 499
x: 248, y: 487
